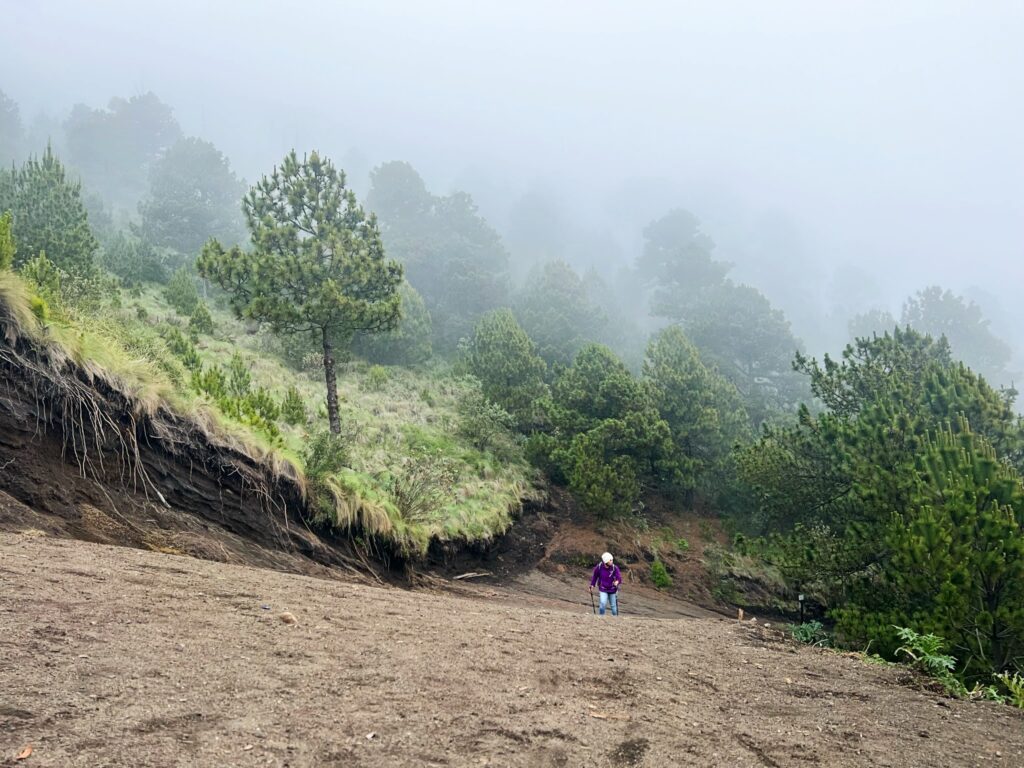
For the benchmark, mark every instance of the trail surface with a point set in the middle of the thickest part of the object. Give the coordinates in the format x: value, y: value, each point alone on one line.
x: 119, y: 657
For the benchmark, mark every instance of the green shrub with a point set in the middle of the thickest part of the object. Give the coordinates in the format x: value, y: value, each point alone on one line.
x: 181, y: 292
x: 659, y: 575
x: 39, y: 308
x: 420, y: 486
x: 201, y: 320
x: 293, y: 409
x: 377, y: 378
x: 239, y: 379
x: 185, y: 350
x: 7, y: 248
x: 486, y: 425
x: 134, y: 261
x: 505, y: 360
x: 1015, y: 685
x: 326, y: 454
x: 810, y: 633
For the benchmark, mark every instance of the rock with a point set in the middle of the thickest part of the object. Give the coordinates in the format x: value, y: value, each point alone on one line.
x: 288, y: 618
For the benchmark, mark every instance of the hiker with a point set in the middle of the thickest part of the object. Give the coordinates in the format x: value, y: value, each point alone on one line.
x: 607, y: 577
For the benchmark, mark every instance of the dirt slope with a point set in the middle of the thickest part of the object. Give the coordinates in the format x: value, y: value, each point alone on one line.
x: 116, y: 656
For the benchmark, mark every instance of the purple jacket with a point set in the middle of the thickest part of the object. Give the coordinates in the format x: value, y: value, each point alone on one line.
x: 606, y: 577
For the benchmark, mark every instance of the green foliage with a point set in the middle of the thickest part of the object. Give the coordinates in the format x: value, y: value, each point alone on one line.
x: 486, y: 425
x: 659, y: 575
x: 239, y: 378
x: 557, y: 313
x: 293, y: 408
x: 185, y: 350
x: 676, y: 262
x: 326, y: 454
x: 955, y: 556
x: 911, y: 472
x: 134, y: 261
x: 452, y: 256
x: 734, y: 326
x: 703, y: 411
x: 605, y: 438
x: 201, y: 321
x: 940, y: 313
x: 751, y: 343
x: 233, y: 392
x: 421, y: 486
x: 875, y: 322
x: 48, y: 215
x: 377, y: 377
x: 317, y: 266
x: 810, y: 633
x: 193, y: 196
x: 1014, y: 683
x: 7, y: 248
x: 408, y: 343
x: 181, y: 292
x: 605, y: 484
x: 926, y: 652
x: 46, y: 278
x: 511, y: 373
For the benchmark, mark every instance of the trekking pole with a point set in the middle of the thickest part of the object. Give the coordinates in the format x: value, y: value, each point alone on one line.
x: 592, y: 603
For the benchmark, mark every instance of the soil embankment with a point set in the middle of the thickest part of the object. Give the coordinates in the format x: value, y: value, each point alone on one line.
x: 83, y: 456
x: 116, y: 656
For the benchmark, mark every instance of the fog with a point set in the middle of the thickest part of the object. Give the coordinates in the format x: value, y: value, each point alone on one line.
x: 842, y: 155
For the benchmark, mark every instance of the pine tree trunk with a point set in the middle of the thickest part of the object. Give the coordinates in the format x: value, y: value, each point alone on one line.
x: 332, y: 385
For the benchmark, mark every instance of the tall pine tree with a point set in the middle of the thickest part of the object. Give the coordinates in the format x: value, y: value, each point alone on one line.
x: 317, y: 265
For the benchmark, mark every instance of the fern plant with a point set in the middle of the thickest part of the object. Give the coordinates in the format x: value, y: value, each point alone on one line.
x: 1015, y: 685
x: 925, y: 651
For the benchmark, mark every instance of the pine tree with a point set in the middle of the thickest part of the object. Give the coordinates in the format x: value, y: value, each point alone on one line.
x: 48, y: 215
x: 193, y: 196
x: 505, y: 360
x: 317, y: 265
x: 555, y: 310
x: 955, y: 563
x: 703, y: 410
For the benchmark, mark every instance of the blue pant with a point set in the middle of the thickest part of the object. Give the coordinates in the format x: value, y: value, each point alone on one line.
x: 613, y: 598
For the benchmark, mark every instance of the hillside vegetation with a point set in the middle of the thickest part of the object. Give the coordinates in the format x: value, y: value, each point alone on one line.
x: 385, y: 353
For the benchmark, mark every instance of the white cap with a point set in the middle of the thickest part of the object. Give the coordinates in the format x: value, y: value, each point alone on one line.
x: 606, y: 557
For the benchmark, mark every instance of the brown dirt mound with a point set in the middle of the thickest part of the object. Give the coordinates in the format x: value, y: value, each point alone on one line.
x: 121, y: 657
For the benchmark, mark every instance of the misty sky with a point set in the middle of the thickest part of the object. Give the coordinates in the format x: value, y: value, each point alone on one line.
x: 808, y: 136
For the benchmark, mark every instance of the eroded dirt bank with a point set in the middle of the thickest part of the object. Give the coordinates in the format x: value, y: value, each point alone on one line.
x: 115, y: 656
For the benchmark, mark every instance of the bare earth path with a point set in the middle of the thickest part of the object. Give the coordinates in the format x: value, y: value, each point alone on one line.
x: 112, y: 656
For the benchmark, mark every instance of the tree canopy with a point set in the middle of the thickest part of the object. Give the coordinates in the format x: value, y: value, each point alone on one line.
x: 193, y: 195
x: 317, y: 264
x: 939, y: 312
x: 114, y: 148
x: 451, y: 255
x: 48, y: 214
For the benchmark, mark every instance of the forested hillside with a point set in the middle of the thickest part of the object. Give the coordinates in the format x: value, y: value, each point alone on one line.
x: 423, y: 387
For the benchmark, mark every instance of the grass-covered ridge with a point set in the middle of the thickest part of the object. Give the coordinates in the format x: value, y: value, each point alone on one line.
x: 410, y: 476
x: 401, y: 429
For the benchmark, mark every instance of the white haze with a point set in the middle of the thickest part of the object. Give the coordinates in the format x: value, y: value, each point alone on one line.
x: 843, y: 154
